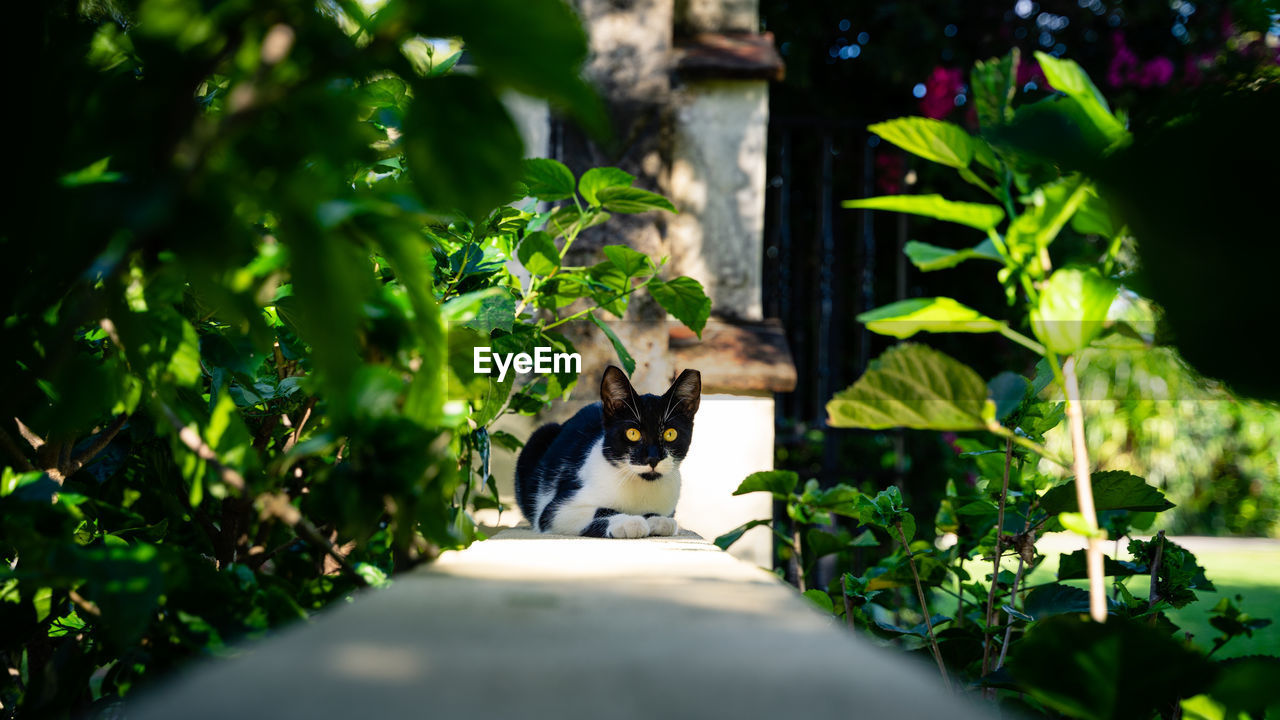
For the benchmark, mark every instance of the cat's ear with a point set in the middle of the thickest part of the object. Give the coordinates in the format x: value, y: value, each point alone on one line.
x: 687, y: 391
x: 616, y: 392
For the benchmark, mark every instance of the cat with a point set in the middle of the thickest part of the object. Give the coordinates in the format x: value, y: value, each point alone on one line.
x: 613, y: 469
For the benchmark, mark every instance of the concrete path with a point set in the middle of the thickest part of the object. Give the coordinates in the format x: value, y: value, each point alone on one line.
x: 529, y: 626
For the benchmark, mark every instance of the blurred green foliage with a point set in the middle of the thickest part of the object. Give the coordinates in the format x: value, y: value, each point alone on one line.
x: 1213, y: 454
x: 252, y: 250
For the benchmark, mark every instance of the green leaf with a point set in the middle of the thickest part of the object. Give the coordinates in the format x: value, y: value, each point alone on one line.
x: 535, y: 47
x: 920, y: 630
x: 538, y: 253
x: 913, y: 386
x: 821, y: 543
x: 1007, y: 390
x: 908, y: 523
x: 1112, y: 490
x: 1248, y: 684
x: 934, y: 140
x: 1067, y: 77
x: 409, y: 258
x: 631, y: 200
x: 1055, y: 131
x: 981, y: 216
x: 1055, y: 599
x: 610, y: 287
x: 464, y: 308
x: 1076, y: 523
x: 684, y: 299
x: 779, y: 482
x: 1015, y: 613
x: 937, y: 315
x: 1094, y: 216
x: 445, y: 65
x: 1072, y: 309
x: 1102, y: 671
x: 548, y: 179
x: 821, y: 599
x: 496, y: 311
x: 504, y: 439
x: 91, y: 175
x: 483, y: 393
x: 724, y: 541
x: 1071, y: 566
x: 630, y: 262
x: 385, y: 92
x: 993, y: 84
x: 928, y: 257
x: 628, y: 362
x: 597, y: 179
x: 462, y: 146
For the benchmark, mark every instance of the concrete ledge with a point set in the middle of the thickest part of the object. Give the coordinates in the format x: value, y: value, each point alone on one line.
x: 530, y: 626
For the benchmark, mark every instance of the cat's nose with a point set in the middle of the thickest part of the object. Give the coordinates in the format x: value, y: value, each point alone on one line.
x: 653, y: 459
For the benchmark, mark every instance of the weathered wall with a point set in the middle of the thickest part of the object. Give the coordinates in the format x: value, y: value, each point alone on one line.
x: 694, y: 16
x: 717, y: 182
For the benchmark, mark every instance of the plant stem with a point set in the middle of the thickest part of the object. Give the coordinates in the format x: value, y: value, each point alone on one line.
x: 995, y: 560
x: 924, y: 606
x: 1113, y: 250
x: 797, y: 557
x: 1004, y: 432
x: 1017, y: 576
x: 190, y: 438
x: 1084, y: 488
x: 580, y: 313
x: 15, y: 453
x: 1022, y: 340
x: 1008, y: 629
x: 1154, y: 596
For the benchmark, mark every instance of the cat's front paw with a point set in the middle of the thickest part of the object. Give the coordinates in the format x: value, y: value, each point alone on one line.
x: 628, y: 526
x: 659, y: 525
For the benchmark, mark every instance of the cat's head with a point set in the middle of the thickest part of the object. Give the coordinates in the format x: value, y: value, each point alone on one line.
x: 648, y: 434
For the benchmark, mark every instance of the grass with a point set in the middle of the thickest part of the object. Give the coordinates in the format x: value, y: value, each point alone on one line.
x: 1251, y: 572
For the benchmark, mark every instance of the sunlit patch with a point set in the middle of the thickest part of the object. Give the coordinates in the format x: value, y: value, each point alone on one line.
x: 379, y: 663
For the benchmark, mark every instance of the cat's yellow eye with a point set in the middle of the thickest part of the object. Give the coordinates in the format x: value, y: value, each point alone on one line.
x: 633, y: 435
x: 669, y: 434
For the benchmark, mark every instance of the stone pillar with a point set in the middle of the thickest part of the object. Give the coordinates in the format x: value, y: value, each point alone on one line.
x: 717, y: 182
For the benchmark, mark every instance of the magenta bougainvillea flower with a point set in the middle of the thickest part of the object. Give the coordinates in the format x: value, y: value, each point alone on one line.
x: 941, y: 90
x: 1127, y: 68
x: 1029, y: 71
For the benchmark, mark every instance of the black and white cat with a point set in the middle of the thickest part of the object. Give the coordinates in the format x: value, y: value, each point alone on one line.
x: 613, y: 469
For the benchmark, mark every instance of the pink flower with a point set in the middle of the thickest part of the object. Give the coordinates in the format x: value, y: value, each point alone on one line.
x: 1029, y: 71
x: 1158, y: 71
x: 941, y: 90
x: 890, y: 168
x: 1124, y: 63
